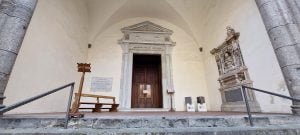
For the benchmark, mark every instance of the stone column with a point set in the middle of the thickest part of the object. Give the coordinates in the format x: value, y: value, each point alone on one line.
x: 282, y: 21
x: 15, y: 16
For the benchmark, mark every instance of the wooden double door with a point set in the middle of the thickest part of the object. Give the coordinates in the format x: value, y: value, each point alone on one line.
x: 146, y: 81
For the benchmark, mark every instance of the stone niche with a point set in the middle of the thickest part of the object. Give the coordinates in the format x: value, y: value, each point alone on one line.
x: 145, y: 38
x: 233, y: 73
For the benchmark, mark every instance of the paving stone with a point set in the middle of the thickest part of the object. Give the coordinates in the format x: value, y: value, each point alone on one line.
x: 133, y: 123
x: 208, y: 122
x: 108, y: 123
x: 81, y: 123
x: 157, y: 123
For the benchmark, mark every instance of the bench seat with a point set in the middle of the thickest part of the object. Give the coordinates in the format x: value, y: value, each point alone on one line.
x: 97, y: 103
x: 113, y: 107
x: 98, y: 106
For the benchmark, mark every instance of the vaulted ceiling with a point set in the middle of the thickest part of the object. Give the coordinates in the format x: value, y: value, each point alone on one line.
x: 186, y: 14
x: 192, y: 16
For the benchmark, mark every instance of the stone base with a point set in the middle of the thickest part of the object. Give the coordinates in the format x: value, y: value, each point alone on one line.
x: 144, y: 110
x: 240, y: 107
x: 296, y: 109
x: 1, y: 102
x: 2, y: 98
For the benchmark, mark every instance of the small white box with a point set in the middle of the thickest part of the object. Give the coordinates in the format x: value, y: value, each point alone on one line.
x: 202, y: 107
x: 190, y: 107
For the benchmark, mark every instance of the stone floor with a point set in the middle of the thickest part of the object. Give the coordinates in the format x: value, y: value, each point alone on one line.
x: 141, y: 114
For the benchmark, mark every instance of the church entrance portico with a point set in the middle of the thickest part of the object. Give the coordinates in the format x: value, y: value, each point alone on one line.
x: 146, y: 39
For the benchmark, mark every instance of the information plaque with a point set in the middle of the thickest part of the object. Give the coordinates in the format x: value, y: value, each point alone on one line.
x: 101, y: 84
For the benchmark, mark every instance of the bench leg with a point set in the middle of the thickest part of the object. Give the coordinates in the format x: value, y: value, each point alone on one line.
x: 97, y: 108
x: 114, y: 108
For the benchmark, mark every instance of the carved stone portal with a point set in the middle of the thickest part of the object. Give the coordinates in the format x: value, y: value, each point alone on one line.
x: 232, y: 74
x: 145, y: 38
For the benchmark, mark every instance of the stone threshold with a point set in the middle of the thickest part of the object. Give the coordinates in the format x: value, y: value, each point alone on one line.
x: 145, y: 110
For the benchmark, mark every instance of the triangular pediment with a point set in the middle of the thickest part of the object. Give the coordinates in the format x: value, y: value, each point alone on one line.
x: 147, y: 26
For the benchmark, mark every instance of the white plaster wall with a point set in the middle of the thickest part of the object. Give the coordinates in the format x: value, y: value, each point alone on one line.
x: 55, y: 41
x: 188, y: 70
x: 256, y: 48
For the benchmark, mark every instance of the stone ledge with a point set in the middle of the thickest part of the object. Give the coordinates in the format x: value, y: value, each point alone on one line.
x: 147, y: 122
x: 271, y: 130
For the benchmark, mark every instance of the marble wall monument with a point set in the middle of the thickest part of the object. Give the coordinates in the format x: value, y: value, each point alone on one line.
x: 146, y: 38
x: 232, y: 74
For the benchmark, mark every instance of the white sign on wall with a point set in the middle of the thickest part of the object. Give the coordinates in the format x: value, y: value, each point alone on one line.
x: 101, y: 84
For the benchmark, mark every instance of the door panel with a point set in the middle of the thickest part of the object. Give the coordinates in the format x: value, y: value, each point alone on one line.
x: 146, y: 82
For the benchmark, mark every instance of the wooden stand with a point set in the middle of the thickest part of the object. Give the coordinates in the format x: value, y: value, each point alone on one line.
x: 171, y: 93
x: 82, y: 67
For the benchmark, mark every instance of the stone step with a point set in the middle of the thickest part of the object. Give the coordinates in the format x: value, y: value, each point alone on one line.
x: 153, y: 124
x: 148, y: 122
x: 268, y: 130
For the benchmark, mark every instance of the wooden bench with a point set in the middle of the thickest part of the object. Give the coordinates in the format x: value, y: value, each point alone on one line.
x: 112, y: 107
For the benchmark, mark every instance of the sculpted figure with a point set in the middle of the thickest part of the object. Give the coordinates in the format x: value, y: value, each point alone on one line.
x: 228, y: 61
x: 230, y: 31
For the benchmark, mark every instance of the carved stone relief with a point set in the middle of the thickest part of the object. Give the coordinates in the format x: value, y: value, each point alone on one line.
x: 145, y: 38
x: 232, y: 74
